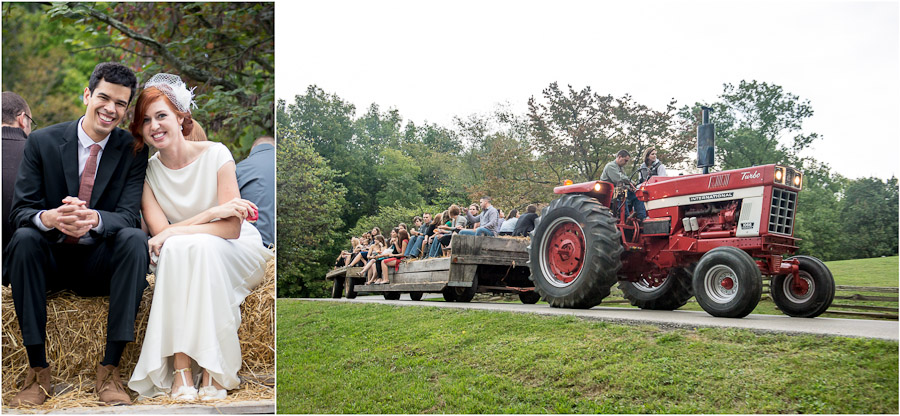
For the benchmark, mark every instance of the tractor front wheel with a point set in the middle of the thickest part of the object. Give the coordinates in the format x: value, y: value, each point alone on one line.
x: 672, y: 294
x: 575, y: 252
x: 810, y: 296
x: 727, y: 283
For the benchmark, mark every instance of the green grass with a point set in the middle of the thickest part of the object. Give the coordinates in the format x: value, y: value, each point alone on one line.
x: 364, y: 358
x: 879, y: 272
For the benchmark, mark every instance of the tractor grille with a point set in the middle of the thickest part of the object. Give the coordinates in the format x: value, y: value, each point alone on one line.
x: 781, y: 216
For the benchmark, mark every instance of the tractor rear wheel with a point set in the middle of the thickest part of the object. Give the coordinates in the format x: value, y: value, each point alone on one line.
x: 811, y: 296
x: 672, y: 294
x: 337, y: 289
x: 575, y: 252
x: 727, y: 282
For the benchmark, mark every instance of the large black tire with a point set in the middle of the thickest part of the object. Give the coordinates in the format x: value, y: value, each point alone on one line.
x: 529, y: 298
x: 672, y: 294
x: 575, y: 252
x: 392, y: 295
x: 348, y: 288
x: 727, y: 283
x: 416, y: 295
x: 337, y: 289
x: 808, y: 303
x: 449, y: 294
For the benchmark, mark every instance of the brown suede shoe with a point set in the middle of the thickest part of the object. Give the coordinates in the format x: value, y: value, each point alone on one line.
x: 109, y: 387
x: 36, y: 390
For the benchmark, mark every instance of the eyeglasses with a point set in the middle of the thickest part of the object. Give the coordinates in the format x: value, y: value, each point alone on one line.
x: 33, y: 124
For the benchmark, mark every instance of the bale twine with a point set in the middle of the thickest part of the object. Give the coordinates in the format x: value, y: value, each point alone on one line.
x: 76, y: 342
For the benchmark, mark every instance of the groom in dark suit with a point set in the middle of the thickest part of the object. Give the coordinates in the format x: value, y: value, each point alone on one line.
x: 76, y: 214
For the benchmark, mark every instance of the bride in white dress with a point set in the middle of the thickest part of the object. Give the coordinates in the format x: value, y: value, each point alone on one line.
x: 206, y: 257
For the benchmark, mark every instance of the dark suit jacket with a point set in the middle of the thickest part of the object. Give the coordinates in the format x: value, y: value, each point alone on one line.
x: 256, y: 178
x: 13, y: 146
x: 49, y: 173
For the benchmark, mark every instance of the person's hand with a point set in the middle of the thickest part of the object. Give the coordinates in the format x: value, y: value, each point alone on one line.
x: 156, y: 243
x: 237, y: 207
x: 72, y: 218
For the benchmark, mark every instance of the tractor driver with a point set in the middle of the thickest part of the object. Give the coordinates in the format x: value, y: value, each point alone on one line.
x: 613, y: 172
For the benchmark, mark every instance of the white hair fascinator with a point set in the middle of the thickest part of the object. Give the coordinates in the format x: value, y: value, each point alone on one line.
x: 174, y: 88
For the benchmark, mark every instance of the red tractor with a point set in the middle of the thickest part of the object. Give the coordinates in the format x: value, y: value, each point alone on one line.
x: 710, y: 235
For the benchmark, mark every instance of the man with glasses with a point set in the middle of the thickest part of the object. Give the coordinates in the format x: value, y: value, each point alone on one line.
x: 17, y: 125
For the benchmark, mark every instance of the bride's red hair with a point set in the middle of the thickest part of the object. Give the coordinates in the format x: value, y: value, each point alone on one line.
x: 149, y: 96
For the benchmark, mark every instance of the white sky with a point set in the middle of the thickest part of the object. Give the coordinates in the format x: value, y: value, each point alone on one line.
x: 436, y: 60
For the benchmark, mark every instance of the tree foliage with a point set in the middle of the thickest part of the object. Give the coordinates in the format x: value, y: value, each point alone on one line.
x: 869, y: 217
x: 226, y: 50
x: 759, y: 123
x: 309, y: 204
x: 578, y: 132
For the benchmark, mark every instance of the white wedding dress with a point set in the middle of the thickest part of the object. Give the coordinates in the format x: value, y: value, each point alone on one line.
x: 201, y: 281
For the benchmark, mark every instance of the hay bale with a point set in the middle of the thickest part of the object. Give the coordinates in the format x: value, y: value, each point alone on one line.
x: 76, y: 341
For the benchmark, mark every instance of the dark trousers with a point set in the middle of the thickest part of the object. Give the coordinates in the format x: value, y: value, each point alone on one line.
x: 115, y: 266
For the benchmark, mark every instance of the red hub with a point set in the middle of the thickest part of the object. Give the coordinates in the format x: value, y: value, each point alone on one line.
x: 565, y: 252
x: 727, y: 283
x: 799, y: 287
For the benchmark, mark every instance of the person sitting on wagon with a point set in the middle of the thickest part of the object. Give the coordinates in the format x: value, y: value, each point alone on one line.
x: 614, y: 173
x: 525, y: 223
x: 509, y: 225
x: 489, y: 219
x: 651, y: 165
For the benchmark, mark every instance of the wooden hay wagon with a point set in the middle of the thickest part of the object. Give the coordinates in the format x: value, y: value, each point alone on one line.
x: 475, y: 265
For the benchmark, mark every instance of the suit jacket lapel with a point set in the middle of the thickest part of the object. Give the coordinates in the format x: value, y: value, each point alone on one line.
x: 68, y: 154
x: 112, y: 154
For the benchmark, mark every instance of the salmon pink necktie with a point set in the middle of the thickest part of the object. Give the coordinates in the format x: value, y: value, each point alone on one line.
x: 87, y: 181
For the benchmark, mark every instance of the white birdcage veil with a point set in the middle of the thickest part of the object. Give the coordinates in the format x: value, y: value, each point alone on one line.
x: 175, y: 89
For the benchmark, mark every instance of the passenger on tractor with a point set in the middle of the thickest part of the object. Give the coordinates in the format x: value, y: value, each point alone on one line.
x: 651, y: 165
x: 614, y: 173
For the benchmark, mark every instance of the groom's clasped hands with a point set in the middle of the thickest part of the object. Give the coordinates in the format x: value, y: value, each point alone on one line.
x: 72, y: 218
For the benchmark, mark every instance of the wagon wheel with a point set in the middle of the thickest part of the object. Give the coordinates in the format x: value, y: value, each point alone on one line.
x: 811, y: 296
x: 575, y: 252
x: 461, y: 294
x: 727, y: 282
x: 416, y: 295
x: 392, y: 295
x: 530, y: 297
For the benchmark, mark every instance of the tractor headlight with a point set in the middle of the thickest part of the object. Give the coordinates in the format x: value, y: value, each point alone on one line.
x: 567, y: 182
x: 597, y: 187
x: 797, y: 180
x: 779, y: 174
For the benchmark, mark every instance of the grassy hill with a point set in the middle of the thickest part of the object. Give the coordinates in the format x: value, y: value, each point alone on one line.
x: 357, y: 358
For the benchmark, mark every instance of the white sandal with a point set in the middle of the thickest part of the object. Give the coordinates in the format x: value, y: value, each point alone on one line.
x: 210, y: 392
x: 184, y: 393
